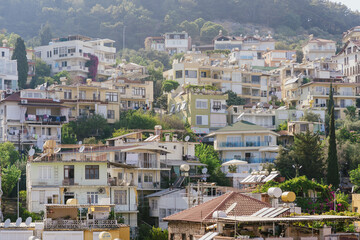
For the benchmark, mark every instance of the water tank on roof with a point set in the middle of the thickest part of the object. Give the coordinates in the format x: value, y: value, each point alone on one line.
x: 274, y: 192
x: 288, y: 197
x: 72, y: 201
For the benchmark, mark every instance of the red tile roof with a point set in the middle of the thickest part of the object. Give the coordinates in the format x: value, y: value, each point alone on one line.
x: 203, y: 212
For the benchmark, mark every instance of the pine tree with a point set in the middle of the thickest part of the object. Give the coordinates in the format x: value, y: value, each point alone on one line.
x: 22, y: 64
x: 332, y: 161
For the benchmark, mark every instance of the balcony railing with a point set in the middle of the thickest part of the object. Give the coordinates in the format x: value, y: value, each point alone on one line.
x: 244, y: 144
x: 80, y: 224
x: 45, y: 119
x: 253, y: 160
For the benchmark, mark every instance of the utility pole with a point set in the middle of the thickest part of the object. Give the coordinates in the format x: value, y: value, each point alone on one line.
x: 124, y: 37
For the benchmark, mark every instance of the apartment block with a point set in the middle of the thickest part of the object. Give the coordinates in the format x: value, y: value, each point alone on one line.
x: 171, y: 42
x: 71, y: 54
x: 317, y: 48
x: 274, y: 58
x: 255, y: 42
x: 198, y: 69
x: 31, y: 117
x: 203, y: 110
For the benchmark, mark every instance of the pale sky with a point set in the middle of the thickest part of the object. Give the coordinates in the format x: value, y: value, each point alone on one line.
x: 352, y: 4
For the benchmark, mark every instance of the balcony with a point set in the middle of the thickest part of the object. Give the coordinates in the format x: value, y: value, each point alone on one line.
x: 120, y: 182
x: 68, y: 182
x: 80, y: 224
x: 149, y: 186
x: 72, y: 68
x: 243, y: 144
x: 252, y: 160
x: 45, y: 119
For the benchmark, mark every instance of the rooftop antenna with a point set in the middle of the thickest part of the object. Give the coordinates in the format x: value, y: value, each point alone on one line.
x: 28, y: 221
x: 18, y: 221
x: 7, y: 223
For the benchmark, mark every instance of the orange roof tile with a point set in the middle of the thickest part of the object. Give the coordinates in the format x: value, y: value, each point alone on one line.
x: 203, y: 213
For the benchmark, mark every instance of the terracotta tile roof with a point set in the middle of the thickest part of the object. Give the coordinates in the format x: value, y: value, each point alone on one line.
x: 203, y: 213
x: 13, y: 97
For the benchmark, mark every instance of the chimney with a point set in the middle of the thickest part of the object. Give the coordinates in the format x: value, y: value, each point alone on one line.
x: 167, y: 137
x: 4, y: 42
x: 174, y: 138
x: 158, y: 130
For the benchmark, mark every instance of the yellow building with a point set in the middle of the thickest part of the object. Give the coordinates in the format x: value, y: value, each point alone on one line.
x: 204, y: 110
x: 200, y: 69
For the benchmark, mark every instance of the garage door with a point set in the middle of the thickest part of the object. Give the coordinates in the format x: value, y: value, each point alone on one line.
x: 63, y: 235
x: 15, y: 235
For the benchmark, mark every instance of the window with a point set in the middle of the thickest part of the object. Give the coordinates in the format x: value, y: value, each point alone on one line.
x: 190, y: 73
x: 172, y: 236
x: 203, y: 74
x: 148, y: 177
x: 92, y: 197
x: 56, y: 51
x: 45, y: 172
x: 172, y: 109
x: 111, y: 114
x: 217, y: 105
x: 122, y: 90
x: 120, y: 197
x: 255, y: 79
x: 92, y: 172
x: 63, y: 52
x: 111, y: 97
x: 153, y: 204
x: 82, y: 94
x: 71, y: 50
x: 67, y: 94
x: 201, y: 120
x: 42, y: 197
x: 264, y: 93
x: 49, y: 131
x: 201, y: 104
x: 139, y: 91
x: 178, y: 74
x: 183, y: 236
x: 64, y: 64
x: 3, y: 54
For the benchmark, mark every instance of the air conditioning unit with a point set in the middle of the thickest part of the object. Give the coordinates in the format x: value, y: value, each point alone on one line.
x: 101, y: 190
x: 24, y: 101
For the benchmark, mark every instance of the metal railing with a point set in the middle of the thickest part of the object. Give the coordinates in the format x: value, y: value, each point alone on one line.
x: 244, y: 144
x: 252, y: 160
x: 80, y: 224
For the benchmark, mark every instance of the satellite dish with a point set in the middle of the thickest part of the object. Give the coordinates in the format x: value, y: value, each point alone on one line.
x: 18, y: 221
x: 80, y: 142
x: 185, y: 167
x: 82, y: 148
x: 7, y: 223
x: 204, y: 170
x: 187, y: 138
x: 31, y: 152
x: 57, y: 150
x: 28, y: 221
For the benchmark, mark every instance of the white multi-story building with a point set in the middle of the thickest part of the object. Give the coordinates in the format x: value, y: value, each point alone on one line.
x: 317, y: 48
x: 71, y: 54
x: 30, y: 117
x: 177, y: 42
x: 255, y: 42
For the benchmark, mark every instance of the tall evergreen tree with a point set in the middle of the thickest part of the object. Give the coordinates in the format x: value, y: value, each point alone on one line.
x: 332, y: 161
x: 22, y: 64
x: 330, y: 104
x: 45, y: 35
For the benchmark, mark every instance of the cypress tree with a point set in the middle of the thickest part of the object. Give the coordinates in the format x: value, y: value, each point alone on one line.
x: 22, y: 64
x: 330, y: 104
x: 332, y: 161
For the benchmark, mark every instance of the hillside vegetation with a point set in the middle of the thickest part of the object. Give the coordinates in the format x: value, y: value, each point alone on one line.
x: 142, y: 18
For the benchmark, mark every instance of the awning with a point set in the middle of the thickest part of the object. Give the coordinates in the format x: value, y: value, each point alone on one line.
x: 180, y: 162
x: 122, y: 165
x: 269, y: 149
x: 290, y: 81
x: 147, y: 148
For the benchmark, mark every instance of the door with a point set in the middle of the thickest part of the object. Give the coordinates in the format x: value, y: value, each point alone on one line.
x: 69, y: 175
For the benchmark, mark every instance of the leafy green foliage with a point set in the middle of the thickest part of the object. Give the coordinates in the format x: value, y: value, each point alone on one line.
x: 169, y: 85
x: 42, y: 74
x: 92, y: 126
x: 350, y: 112
x: 234, y: 99
x: 157, y: 234
x: 10, y: 176
x: 282, y: 126
x: 8, y: 154
x: 61, y: 74
x: 45, y: 35
x: 67, y: 134
x: 355, y: 176
x: 210, y: 30
x: 120, y: 132
x: 210, y: 157
x: 137, y: 120
x: 310, y: 116
x: 306, y: 154
x: 19, y: 55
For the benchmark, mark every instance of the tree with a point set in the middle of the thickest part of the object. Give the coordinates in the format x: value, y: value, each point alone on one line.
x: 310, y: 116
x: 169, y: 85
x: 8, y: 154
x: 91, y: 126
x: 210, y: 30
x: 120, y: 132
x: 350, y: 113
x: 67, y: 135
x: 157, y: 234
x: 307, y: 153
x: 332, y: 160
x: 92, y: 64
x: 45, y: 35
x: 330, y: 104
x: 42, y: 74
x: 61, y: 74
x: 133, y: 119
x: 355, y: 176
x: 234, y: 99
x: 284, y: 162
x: 10, y: 176
x: 210, y: 157
x: 22, y: 64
